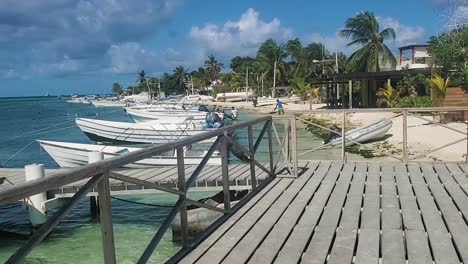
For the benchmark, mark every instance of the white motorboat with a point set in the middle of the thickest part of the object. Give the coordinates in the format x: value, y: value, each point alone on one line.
x: 108, y: 103
x: 78, y: 100
x: 69, y: 155
x: 141, y: 115
x: 153, y: 132
x: 373, y: 131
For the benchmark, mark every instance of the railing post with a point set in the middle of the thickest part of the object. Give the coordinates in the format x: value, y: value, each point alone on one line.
x: 270, y: 146
x: 225, y: 172
x: 343, y: 137
x: 36, y: 212
x: 466, y: 156
x: 105, y: 212
x: 294, y: 146
x: 252, y: 163
x: 405, y: 136
x: 183, y: 208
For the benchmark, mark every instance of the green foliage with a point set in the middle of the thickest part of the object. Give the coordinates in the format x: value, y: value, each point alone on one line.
x: 116, y: 88
x: 409, y: 83
x: 213, y: 67
x: 409, y: 102
x: 300, y: 87
x: 439, y: 87
x: 388, y: 95
x: 363, y: 29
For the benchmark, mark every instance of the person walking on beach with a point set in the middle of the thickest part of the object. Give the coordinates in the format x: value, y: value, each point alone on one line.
x: 279, y: 106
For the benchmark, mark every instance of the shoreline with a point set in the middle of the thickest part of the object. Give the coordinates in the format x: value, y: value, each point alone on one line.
x: 423, y: 136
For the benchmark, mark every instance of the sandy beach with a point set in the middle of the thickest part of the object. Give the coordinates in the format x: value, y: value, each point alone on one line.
x: 423, y: 136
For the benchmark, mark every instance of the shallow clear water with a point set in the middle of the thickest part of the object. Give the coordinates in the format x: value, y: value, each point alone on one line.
x: 78, y: 238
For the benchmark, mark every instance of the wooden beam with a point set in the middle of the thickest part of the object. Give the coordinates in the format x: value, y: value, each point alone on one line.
x: 159, y: 235
x: 105, y: 215
x: 207, y: 206
x: 144, y: 183
x: 251, y: 156
x: 260, y: 136
x: 203, y: 163
x: 46, y: 228
x: 252, y: 162
x: 183, y: 208
x: 23, y: 190
x: 225, y: 173
x: 270, y: 146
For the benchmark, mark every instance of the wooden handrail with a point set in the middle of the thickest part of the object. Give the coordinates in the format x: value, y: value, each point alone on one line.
x: 26, y: 189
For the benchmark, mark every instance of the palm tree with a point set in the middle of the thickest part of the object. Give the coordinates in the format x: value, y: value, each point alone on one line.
x: 213, y: 66
x: 388, y: 95
x: 363, y: 29
x: 180, y: 76
x: 438, y: 87
x: 117, y: 88
x: 141, y: 77
x: 269, y: 54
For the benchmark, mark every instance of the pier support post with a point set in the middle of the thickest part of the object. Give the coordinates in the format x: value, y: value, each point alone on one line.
x: 270, y: 145
x: 405, y: 136
x: 343, y: 138
x: 294, y: 146
x: 252, y: 163
x: 105, y: 212
x: 183, y: 208
x: 36, y: 210
x: 350, y: 94
x: 225, y: 173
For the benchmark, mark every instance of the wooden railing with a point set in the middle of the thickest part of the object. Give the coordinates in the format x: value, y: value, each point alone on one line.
x: 100, y: 172
x: 404, y: 113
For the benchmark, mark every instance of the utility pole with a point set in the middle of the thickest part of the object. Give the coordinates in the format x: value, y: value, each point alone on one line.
x: 247, y: 85
x: 191, y: 83
x: 274, y: 79
x: 336, y: 70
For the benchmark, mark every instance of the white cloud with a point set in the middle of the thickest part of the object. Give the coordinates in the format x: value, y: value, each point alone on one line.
x: 405, y: 35
x: 130, y: 57
x: 240, y: 37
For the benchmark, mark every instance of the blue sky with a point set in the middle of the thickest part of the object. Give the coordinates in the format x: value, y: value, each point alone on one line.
x: 83, y: 46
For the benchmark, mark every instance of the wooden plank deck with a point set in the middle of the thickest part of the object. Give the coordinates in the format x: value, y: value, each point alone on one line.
x: 209, y: 179
x: 349, y: 213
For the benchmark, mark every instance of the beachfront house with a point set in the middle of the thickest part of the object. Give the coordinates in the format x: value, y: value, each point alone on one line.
x: 413, y: 59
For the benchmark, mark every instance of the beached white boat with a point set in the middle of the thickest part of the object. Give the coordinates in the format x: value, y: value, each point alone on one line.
x: 152, y: 132
x: 141, y: 115
x: 69, y: 155
x: 108, y: 103
x: 374, y: 131
x: 272, y: 101
x: 78, y: 100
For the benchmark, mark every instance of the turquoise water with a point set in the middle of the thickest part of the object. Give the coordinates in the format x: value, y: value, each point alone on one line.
x: 78, y: 238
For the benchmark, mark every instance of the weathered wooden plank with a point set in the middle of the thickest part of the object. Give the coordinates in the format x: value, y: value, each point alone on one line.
x: 459, y: 176
x: 454, y: 190
x: 345, y: 240
x: 293, y: 249
x: 289, y: 199
x: 393, y: 249
x: 222, y: 247
x: 368, y: 247
x: 259, y: 201
x: 453, y: 219
x: 369, y: 236
x: 417, y: 247
x: 317, y: 249
x: 441, y: 244
x: 271, y: 245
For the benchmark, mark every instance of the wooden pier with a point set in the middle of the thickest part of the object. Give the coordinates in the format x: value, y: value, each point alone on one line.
x: 348, y: 213
x: 210, y: 179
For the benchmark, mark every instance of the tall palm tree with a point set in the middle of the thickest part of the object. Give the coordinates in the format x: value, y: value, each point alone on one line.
x: 180, y: 76
x: 364, y: 30
x: 213, y: 66
x: 270, y: 53
x: 303, y: 57
x: 141, y: 77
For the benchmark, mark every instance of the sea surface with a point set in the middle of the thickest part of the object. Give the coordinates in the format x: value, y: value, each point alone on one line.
x: 77, y: 239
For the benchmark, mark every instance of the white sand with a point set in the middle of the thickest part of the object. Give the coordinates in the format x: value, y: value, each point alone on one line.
x: 422, y: 135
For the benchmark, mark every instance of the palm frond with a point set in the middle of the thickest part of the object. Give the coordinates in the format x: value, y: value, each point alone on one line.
x: 388, y: 33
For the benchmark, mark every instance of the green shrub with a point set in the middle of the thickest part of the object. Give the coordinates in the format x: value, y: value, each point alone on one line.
x: 420, y: 101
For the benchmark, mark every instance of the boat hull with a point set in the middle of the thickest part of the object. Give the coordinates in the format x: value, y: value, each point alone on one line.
x: 371, y: 132
x: 69, y: 155
x: 149, y: 132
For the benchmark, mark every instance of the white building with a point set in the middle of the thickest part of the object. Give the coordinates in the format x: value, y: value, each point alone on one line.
x: 414, y: 57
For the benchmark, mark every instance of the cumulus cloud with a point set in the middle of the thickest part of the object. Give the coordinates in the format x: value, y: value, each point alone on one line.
x: 405, y: 35
x: 68, y: 35
x: 241, y: 37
